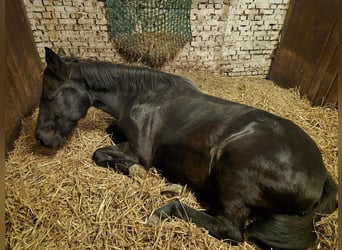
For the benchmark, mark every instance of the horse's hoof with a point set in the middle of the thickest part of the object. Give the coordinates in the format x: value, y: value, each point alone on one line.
x: 137, y: 170
x: 153, y: 220
x: 173, y: 189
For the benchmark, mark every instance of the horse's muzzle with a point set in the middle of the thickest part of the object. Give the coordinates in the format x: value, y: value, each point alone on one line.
x: 49, y: 140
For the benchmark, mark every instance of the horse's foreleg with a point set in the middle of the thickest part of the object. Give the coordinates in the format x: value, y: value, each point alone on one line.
x: 218, y: 226
x: 117, y: 135
x: 119, y: 157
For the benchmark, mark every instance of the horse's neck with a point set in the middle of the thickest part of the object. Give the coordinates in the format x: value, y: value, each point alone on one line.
x: 110, y: 102
x: 118, y: 100
x: 117, y: 103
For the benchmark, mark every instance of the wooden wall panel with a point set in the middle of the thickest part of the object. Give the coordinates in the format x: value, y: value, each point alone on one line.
x: 23, y: 70
x: 307, y: 54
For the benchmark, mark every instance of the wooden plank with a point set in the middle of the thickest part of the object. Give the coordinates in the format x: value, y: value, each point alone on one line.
x: 325, y: 67
x: 332, y: 95
x: 23, y: 70
x: 283, y: 70
x: 317, y: 92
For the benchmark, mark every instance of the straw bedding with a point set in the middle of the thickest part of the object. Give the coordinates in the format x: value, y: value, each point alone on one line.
x: 62, y: 200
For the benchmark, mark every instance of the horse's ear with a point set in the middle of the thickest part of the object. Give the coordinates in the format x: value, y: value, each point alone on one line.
x: 61, y: 52
x: 55, y: 64
x: 52, y: 59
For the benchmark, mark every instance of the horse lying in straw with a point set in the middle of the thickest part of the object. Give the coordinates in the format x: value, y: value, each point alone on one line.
x: 245, y: 164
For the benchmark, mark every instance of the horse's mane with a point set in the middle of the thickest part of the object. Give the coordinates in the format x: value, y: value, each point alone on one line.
x: 107, y: 76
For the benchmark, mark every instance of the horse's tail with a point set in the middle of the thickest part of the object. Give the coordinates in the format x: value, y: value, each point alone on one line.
x: 292, y: 231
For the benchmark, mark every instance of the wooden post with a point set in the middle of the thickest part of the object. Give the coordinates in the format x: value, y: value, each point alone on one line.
x: 23, y: 71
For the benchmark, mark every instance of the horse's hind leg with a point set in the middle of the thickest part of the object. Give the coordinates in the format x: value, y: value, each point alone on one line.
x: 218, y: 226
x: 119, y: 157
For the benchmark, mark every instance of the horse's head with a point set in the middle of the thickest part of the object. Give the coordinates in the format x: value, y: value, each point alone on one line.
x: 64, y: 101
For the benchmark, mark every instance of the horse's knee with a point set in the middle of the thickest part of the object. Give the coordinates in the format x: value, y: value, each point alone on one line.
x: 102, y: 156
x: 105, y: 157
x: 119, y: 157
x: 167, y: 211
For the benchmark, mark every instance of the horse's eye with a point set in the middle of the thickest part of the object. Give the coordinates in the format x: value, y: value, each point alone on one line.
x: 57, y: 115
x: 49, y: 98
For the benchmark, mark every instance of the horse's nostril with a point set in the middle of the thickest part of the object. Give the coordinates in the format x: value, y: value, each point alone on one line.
x: 41, y: 141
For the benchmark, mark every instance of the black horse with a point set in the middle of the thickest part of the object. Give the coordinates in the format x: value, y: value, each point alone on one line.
x: 259, y: 175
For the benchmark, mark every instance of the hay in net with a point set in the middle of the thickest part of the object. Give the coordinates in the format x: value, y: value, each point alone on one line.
x: 149, y: 31
x: 62, y: 200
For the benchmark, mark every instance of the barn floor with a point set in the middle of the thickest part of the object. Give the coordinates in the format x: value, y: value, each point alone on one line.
x: 62, y: 200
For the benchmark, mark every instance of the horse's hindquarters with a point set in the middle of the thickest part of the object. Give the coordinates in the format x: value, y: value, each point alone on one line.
x: 270, y: 174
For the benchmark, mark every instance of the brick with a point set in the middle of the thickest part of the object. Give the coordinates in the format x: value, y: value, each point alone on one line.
x: 88, y: 3
x: 40, y: 27
x: 266, y: 11
x: 76, y: 15
x: 257, y: 17
x: 49, y: 27
x: 59, y: 9
x: 65, y: 15
x: 38, y: 33
x: 270, y: 22
x: 29, y: 15
x: 47, y: 2
x: 217, y: 6
x: 56, y: 15
x: 243, y: 17
x: 85, y: 21
x: 37, y: 15
x: 47, y: 15
x: 58, y: 2
x: 71, y: 9
x: 259, y: 4
x: 89, y: 10
x: 202, y: 6
x: 101, y: 21
x: 59, y: 27
x: 243, y: 23
x: 67, y: 2
x: 67, y: 21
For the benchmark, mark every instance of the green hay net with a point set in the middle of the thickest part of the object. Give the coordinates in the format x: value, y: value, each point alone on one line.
x: 149, y: 31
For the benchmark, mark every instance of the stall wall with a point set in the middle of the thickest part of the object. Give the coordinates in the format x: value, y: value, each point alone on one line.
x: 307, y: 54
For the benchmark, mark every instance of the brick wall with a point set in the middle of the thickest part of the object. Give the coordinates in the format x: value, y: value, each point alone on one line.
x: 230, y: 37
